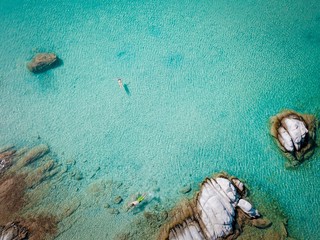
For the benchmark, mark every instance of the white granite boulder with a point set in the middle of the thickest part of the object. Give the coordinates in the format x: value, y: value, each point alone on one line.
x: 295, y: 134
x: 216, y: 202
x: 213, y: 213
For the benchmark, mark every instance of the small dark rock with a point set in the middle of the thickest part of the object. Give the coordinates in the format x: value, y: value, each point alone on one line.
x: 117, y: 200
x: 185, y: 189
x: 149, y: 215
x: 43, y: 62
x: 113, y: 211
x: 261, y: 223
x: 163, y: 215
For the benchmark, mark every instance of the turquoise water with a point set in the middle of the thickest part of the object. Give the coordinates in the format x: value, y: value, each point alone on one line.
x: 202, y: 79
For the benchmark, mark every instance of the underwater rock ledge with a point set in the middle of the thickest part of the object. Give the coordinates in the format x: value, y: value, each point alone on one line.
x: 295, y: 135
x: 218, y: 211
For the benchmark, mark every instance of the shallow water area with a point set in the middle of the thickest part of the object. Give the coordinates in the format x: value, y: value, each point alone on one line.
x: 201, y: 81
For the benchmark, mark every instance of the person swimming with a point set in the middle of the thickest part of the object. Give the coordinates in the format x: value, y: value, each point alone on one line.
x: 120, y: 83
x: 138, y: 200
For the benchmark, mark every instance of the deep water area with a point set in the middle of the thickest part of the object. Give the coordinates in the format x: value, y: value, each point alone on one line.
x: 201, y: 80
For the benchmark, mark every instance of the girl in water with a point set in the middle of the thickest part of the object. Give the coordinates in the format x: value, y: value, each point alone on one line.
x: 120, y: 83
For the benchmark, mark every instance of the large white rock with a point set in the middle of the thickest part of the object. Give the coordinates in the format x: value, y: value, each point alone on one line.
x: 217, y: 202
x: 296, y: 129
x: 214, y: 212
x: 215, y: 205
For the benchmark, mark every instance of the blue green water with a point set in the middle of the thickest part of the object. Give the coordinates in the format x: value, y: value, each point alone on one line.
x: 202, y: 79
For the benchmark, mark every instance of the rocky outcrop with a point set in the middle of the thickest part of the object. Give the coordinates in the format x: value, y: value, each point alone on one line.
x: 295, y: 135
x: 21, y: 172
x: 13, y: 231
x: 214, y: 213
x: 6, y: 159
x: 43, y: 62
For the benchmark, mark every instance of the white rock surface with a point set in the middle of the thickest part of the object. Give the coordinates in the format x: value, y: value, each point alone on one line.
x: 297, y: 131
x: 217, y: 203
x: 285, y: 139
x: 215, y: 212
x: 188, y: 230
x: 247, y: 208
x: 292, y: 133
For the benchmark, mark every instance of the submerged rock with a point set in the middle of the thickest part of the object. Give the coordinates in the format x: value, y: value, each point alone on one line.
x: 34, y: 154
x: 113, y: 211
x: 294, y: 134
x: 185, y: 189
x: 117, y: 199
x: 43, y: 62
x: 212, y: 213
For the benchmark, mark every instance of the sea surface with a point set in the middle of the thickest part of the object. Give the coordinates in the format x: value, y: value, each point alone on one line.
x: 202, y: 79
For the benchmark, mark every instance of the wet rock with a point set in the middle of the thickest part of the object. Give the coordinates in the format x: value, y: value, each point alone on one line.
x: 6, y: 158
x: 43, y: 62
x: 3, y: 165
x: 212, y: 213
x: 117, y: 199
x: 77, y: 175
x: 238, y: 184
x: 13, y: 231
x: 261, y: 223
x: 295, y: 135
x: 185, y: 189
x: 247, y: 208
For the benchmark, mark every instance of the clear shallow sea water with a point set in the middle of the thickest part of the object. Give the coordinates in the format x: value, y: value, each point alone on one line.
x: 203, y: 79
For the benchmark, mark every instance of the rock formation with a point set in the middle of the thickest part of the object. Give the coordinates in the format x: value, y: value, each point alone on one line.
x: 217, y: 212
x: 21, y: 172
x: 295, y: 135
x: 13, y: 231
x: 5, y: 158
x: 43, y: 62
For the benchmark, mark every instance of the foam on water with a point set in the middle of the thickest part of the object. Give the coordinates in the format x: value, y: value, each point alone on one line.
x: 202, y: 81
